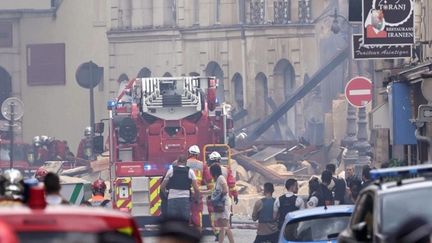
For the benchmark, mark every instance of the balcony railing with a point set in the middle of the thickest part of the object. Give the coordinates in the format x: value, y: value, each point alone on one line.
x: 257, y: 12
x: 282, y: 11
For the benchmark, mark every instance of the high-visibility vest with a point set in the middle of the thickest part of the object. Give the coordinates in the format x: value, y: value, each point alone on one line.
x: 198, y: 168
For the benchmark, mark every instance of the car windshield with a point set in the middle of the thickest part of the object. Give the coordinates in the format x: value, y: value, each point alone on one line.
x: 398, y: 207
x: 74, y: 237
x: 323, y: 227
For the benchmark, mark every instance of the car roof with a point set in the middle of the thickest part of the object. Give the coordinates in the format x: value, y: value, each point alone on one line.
x: 320, y: 211
x: 409, y: 185
x: 405, y: 184
x: 63, y: 210
x: 66, y: 218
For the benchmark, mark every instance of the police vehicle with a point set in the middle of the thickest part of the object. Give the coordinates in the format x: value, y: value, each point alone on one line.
x: 320, y: 224
x: 396, y: 195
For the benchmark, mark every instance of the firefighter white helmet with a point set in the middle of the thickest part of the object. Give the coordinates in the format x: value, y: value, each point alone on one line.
x: 44, y: 138
x: 87, y: 131
x: 215, y: 156
x: 13, y: 185
x: 37, y: 141
x: 194, y: 149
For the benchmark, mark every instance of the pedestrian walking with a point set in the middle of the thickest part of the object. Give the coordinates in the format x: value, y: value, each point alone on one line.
x: 315, y: 195
x: 267, y: 230
x: 52, y: 190
x: 221, y: 204
x: 177, y: 184
x: 288, y: 202
x: 215, y: 158
x: 339, y: 188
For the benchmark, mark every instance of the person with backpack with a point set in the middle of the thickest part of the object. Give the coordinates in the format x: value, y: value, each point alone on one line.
x: 267, y: 230
x: 339, y: 188
x: 98, y: 199
x: 287, y: 203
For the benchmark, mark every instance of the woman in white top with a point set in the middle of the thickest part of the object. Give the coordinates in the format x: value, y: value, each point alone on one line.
x: 222, y: 218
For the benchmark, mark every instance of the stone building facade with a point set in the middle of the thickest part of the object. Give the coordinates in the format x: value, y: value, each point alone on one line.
x: 257, y: 49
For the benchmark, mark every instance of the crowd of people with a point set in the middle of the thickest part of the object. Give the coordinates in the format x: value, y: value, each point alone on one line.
x: 327, y: 190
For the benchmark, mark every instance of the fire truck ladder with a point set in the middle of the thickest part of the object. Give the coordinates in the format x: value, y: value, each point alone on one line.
x: 301, y: 92
x: 183, y: 91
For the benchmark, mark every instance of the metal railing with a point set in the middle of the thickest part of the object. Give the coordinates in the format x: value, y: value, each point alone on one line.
x: 257, y: 12
x: 282, y: 11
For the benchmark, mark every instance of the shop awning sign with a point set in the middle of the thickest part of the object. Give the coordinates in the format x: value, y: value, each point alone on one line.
x: 361, y: 51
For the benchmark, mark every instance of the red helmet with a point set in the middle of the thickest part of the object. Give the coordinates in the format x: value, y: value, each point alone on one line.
x: 40, y: 174
x: 99, y: 186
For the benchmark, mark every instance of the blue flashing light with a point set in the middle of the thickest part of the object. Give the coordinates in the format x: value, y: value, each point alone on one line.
x: 147, y: 167
x: 401, y: 171
x: 111, y: 104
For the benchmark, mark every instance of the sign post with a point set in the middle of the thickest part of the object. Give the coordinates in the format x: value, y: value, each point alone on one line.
x: 358, y: 91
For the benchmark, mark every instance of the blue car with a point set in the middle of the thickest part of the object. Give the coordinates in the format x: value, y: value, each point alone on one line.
x: 320, y: 224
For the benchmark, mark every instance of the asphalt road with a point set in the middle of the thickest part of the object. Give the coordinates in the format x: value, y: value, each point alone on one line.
x: 240, y: 235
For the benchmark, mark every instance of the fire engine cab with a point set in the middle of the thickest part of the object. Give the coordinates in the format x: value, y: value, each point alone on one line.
x: 152, y: 122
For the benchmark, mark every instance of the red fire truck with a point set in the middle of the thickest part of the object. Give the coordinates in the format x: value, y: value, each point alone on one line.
x: 152, y: 122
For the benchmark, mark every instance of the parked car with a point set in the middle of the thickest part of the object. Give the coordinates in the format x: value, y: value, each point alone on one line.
x: 321, y: 224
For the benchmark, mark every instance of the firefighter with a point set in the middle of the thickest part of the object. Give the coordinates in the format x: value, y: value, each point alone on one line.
x: 59, y: 150
x: 40, y: 174
x: 203, y: 177
x: 215, y: 158
x: 40, y: 153
x: 85, y: 146
x: 11, y: 188
x: 98, y: 199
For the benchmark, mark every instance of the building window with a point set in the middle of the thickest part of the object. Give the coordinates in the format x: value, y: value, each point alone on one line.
x: 257, y: 12
x: 46, y: 64
x: 238, y: 91
x: 304, y: 11
x: 6, y: 34
x: 196, y: 12
x: 174, y: 12
x: 242, y: 11
x: 218, y: 11
x: 282, y: 11
x: 125, y: 14
x: 144, y: 73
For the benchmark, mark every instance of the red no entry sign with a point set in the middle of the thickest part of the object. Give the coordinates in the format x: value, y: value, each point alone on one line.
x: 358, y: 91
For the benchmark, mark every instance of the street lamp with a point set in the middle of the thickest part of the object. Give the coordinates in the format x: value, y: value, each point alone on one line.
x: 359, y: 147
